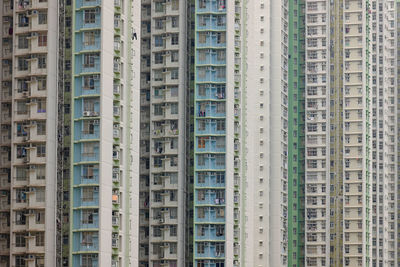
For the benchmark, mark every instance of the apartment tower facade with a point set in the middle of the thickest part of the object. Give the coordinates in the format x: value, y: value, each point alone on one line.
x: 104, y: 136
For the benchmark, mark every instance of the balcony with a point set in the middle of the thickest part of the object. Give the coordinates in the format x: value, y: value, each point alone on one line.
x: 87, y: 41
x: 210, y: 234
x: 215, y: 215
x: 211, y: 74
x: 210, y: 93
x: 209, y: 251
x: 92, y: 131
x: 208, y: 39
x: 92, y: 21
x: 215, y: 6
x: 91, y: 222
x: 216, y: 57
x: 87, y: 196
x: 87, y: 63
x: 210, y: 180
x: 212, y: 110
x: 87, y: 3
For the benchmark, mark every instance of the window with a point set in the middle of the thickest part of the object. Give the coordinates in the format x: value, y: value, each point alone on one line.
x: 174, y: 39
x: 41, y: 128
x: 40, y: 172
x: 89, y: 38
x: 42, y: 17
x: 158, y: 58
x: 23, y: 20
x: 202, y: 38
x: 173, y: 213
x: 87, y: 239
x: 173, y: 230
x: 200, y: 248
x: 221, y: 55
x: 23, y: 42
x: 90, y: 16
x: 88, y: 82
x: 87, y: 194
x: 158, y: 41
x: 41, y: 150
x: 201, y: 160
x: 42, y: 61
x: 174, y: 108
x: 172, y: 248
x: 200, y: 213
x: 40, y: 217
x: 22, y: 64
x: 41, y: 83
x: 221, y: 39
x: 221, y: 72
x: 20, y: 240
x: 20, y: 195
x: 220, y: 125
x: 174, y: 56
x: 87, y: 216
x: 21, y: 173
x: 20, y: 261
x: 201, y: 143
x: 89, y: 60
x: 175, y: 22
x: 174, y: 74
x: 20, y: 218
x: 201, y: 125
x: 220, y: 160
x: 42, y: 39
x: 88, y: 260
x: 40, y: 194
x: 39, y: 236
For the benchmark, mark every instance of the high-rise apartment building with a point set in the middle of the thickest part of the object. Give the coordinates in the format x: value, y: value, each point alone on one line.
x: 28, y: 122
x: 104, y: 136
x: 350, y: 128
x: 69, y: 138
x: 205, y: 133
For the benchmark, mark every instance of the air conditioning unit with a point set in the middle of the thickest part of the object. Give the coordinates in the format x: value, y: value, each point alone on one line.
x: 34, y: 12
x: 34, y: 34
x: 96, y: 122
x: 96, y: 189
x: 161, y: 220
x: 96, y: 77
x: 86, y: 113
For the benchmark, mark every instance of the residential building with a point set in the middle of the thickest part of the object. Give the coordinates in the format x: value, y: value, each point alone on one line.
x: 68, y: 144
